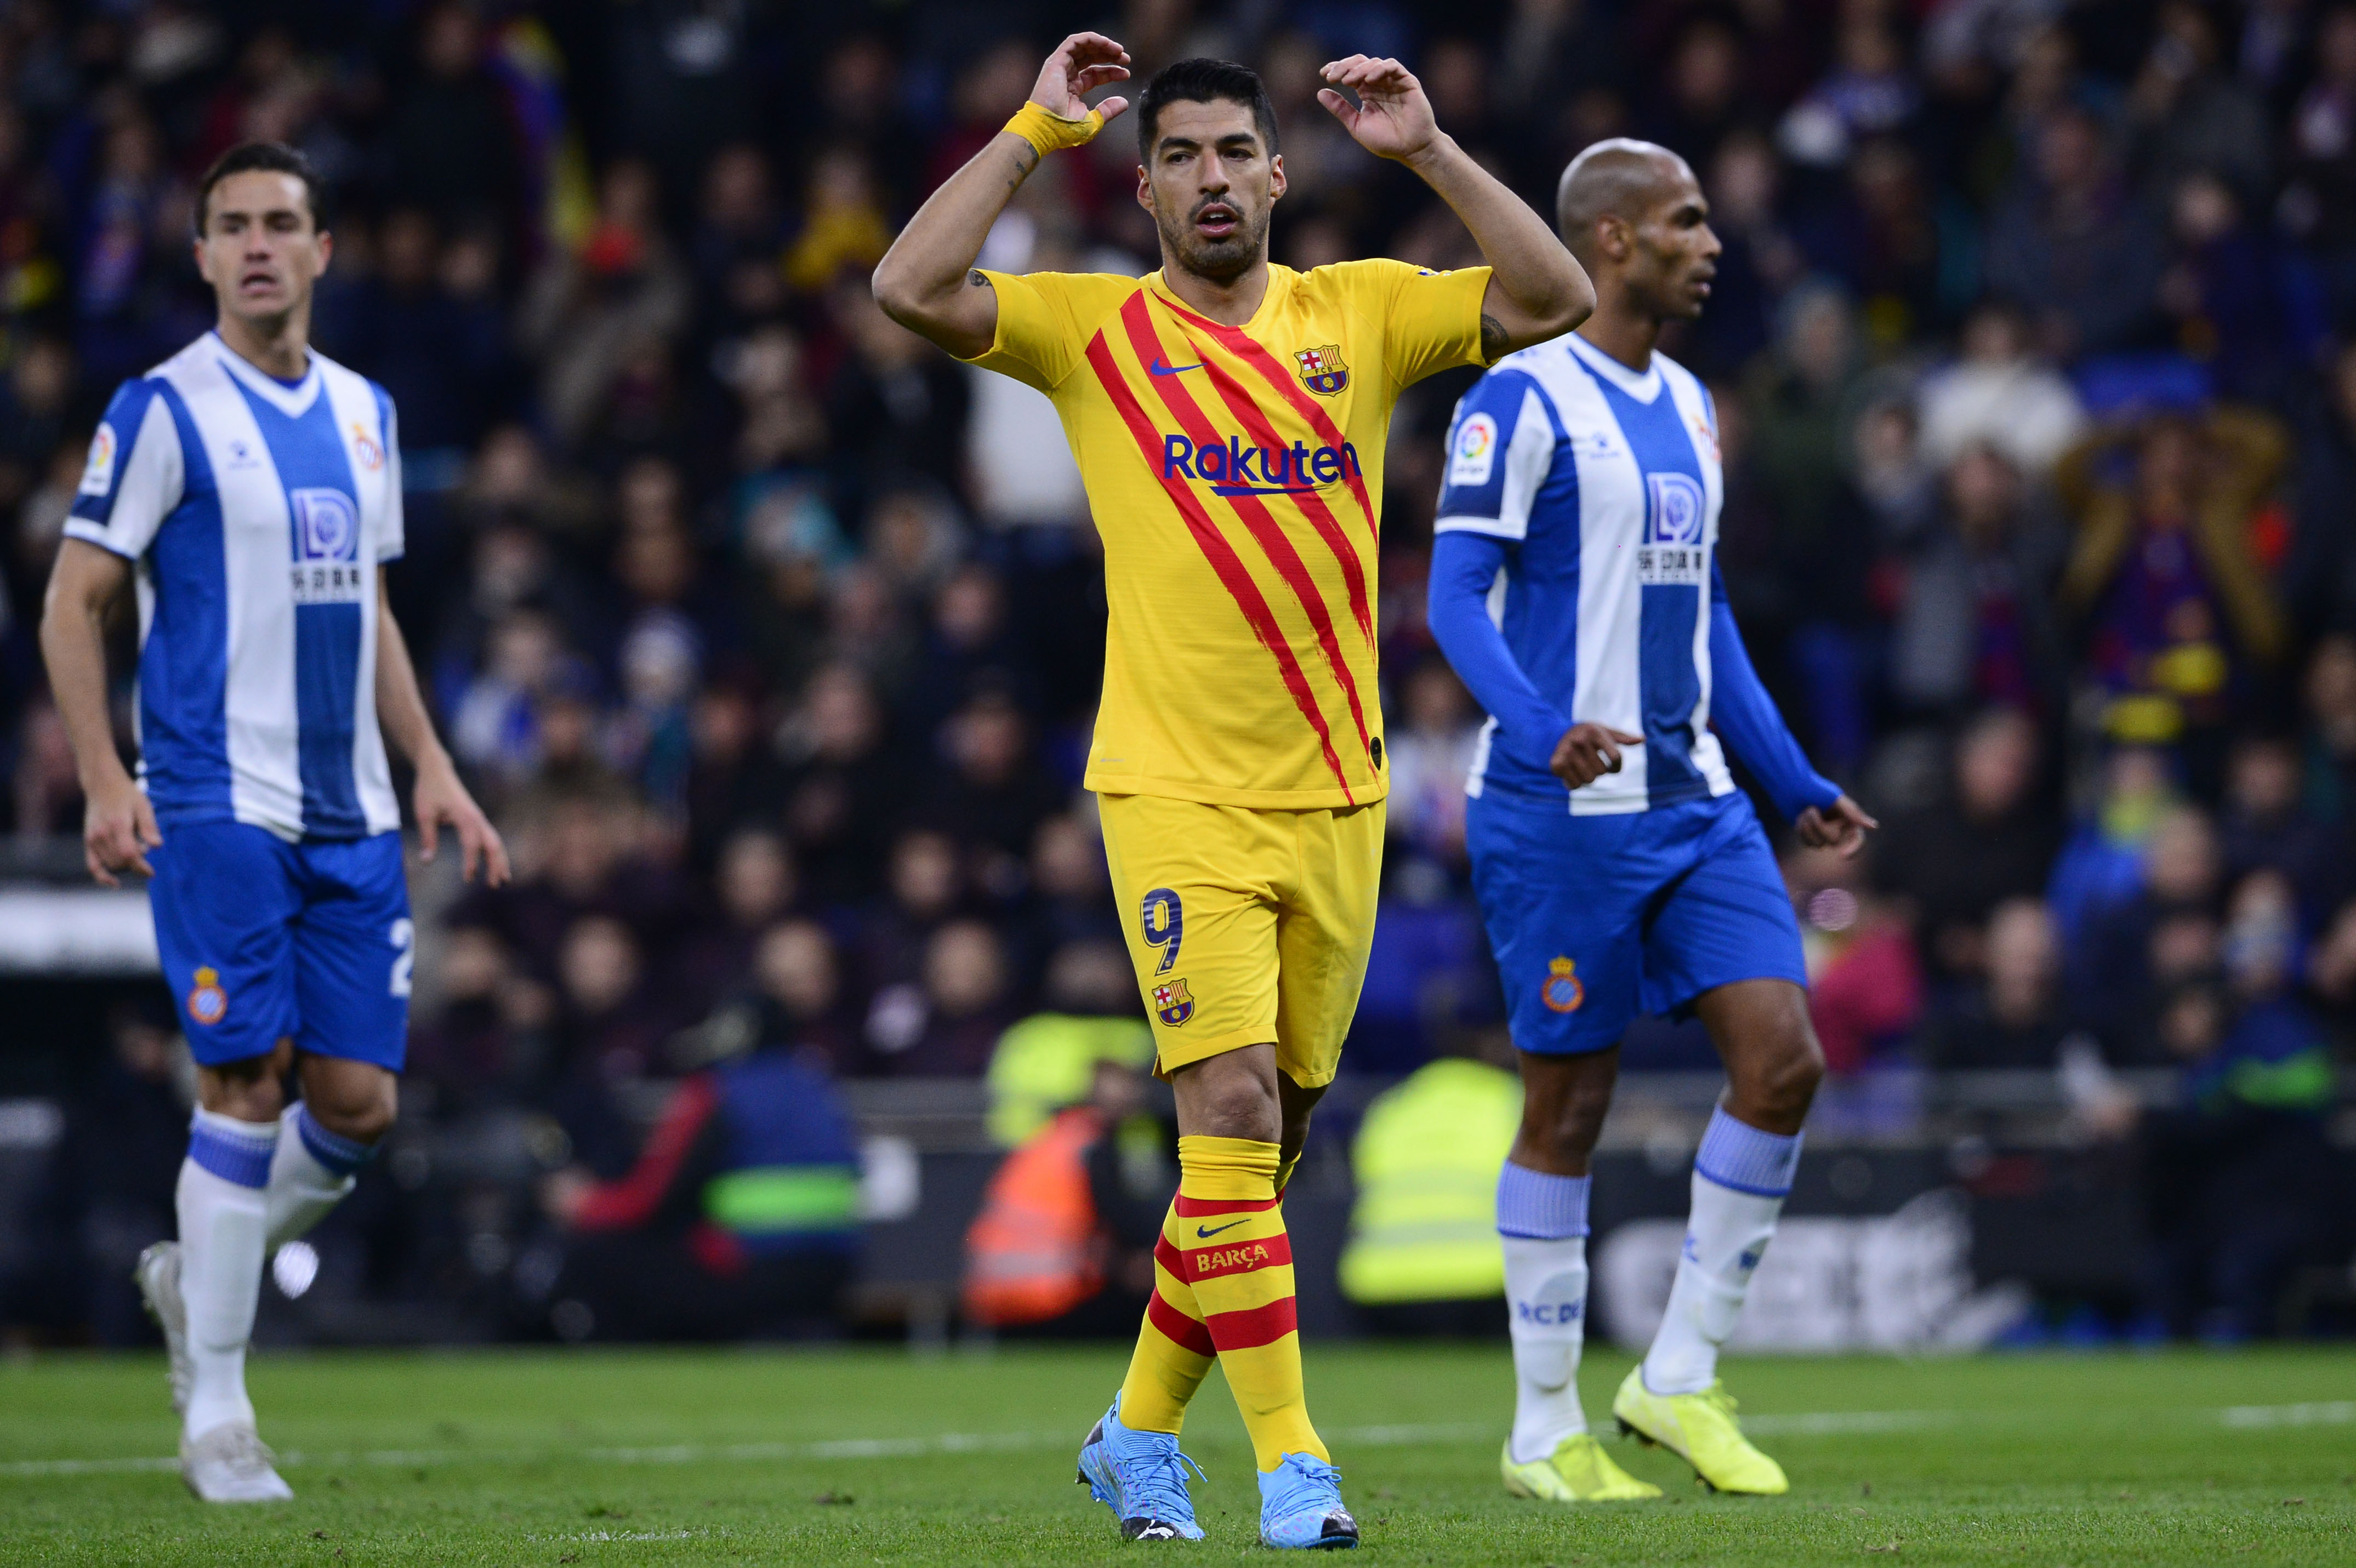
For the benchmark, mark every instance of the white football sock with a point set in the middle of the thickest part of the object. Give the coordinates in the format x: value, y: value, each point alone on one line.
x: 1741, y: 1178
x: 222, y: 1213
x: 1542, y: 1220
x: 310, y: 1173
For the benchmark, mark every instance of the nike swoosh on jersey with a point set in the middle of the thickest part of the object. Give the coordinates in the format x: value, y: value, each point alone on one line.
x: 1202, y: 1234
x: 1162, y: 366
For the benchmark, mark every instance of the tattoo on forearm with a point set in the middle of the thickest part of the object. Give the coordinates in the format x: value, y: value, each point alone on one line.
x: 1026, y: 158
x: 1493, y: 337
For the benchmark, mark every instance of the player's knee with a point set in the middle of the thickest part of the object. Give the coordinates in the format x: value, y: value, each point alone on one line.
x: 362, y: 1113
x: 1235, y: 1105
x: 1792, y: 1065
x: 1567, y: 1129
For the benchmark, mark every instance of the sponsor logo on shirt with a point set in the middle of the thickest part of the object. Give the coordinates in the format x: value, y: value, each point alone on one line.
x: 97, y: 473
x: 1236, y: 469
x: 326, y: 567
x: 1322, y: 370
x: 1474, y: 456
x: 1671, y: 554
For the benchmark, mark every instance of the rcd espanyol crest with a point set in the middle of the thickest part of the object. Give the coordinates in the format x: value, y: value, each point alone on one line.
x: 1322, y: 370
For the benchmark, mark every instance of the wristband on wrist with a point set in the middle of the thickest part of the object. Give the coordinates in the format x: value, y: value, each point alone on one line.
x: 1048, y: 132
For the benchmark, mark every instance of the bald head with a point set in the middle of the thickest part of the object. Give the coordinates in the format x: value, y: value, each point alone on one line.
x: 1623, y: 178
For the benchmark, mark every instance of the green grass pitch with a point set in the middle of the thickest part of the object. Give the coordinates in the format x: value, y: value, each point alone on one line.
x: 870, y: 1455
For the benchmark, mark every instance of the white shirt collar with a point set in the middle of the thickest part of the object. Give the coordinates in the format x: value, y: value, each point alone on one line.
x: 293, y: 402
x: 1643, y: 387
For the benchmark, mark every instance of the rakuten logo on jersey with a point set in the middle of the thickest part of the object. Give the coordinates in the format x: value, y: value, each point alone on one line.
x: 1236, y: 469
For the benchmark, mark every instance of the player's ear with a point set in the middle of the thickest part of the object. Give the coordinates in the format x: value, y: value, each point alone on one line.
x: 1612, y: 237
x: 1144, y: 188
x: 327, y: 248
x: 1276, y: 176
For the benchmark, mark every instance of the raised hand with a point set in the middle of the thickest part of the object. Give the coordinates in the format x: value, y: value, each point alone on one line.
x: 1392, y: 118
x: 1081, y: 64
x: 1587, y: 751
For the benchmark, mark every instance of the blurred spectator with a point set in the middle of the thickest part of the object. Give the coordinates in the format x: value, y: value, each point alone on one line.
x: 2265, y: 827
x: 449, y: 140
x: 2017, y: 1018
x: 421, y: 327
x: 2101, y: 863
x: 117, y: 1166
x: 33, y: 413
x: 595, y: 310
x: 798, y: 974
x: 2318, y: 577
x: 1990, y: 840
x: 1070, y: 894
x: 1429, y: 753
x: 2162, y: 574
x: 897, y: 404
x: 2186, y: 112
x: 2329, y: 785
x: 995, y: 795
x: 2248, y: 309
x: 1975, y: 621
x: 2073, y: 244
x: 740, y: 1217
x: 1047, y: 1061
x: 1064, y: 1244
x: 840, y: 786
x: 947, y: 1027
x: 1864, y: 980
x: 756, y: 885
x: 2135, y: 950
x: 925, y: 888
x: 1999, y: 393
x: 489, y: 1039
x: 615, y: 1021
x: 2240, y: 1181
x: 1422, y: 1255
x: 2321, y: 201
x: 843, y: 230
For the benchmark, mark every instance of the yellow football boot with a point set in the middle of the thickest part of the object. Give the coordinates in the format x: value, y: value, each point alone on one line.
x: 1579, y: 1472
x: 1700, y: 1429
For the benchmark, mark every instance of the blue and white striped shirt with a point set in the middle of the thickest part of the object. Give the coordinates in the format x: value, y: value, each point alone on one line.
x: 257, y: 514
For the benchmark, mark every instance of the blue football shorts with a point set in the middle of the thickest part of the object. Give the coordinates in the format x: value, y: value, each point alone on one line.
x: 263, y: 941
x: 1594, y: 919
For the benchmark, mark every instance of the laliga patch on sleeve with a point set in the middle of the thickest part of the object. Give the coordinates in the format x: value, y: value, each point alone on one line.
x: 97, y: 473
x: 1474, y: 455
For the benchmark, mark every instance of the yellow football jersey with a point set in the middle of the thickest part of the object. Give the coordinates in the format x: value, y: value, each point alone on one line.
x: 1235, y: 474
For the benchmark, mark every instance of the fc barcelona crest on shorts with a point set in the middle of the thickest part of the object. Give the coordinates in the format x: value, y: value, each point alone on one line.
x: 1562, y: 992
x: 208, y: 1003
x: 1171, y: 1004
x: 1322, y: 370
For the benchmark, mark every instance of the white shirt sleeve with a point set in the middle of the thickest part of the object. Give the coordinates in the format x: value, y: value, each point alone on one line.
x: 136, y: 475
x: 393, y: 539
x: 1500, y: 451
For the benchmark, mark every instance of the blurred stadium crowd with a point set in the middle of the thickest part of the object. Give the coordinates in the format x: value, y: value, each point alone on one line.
x: 771, y: 636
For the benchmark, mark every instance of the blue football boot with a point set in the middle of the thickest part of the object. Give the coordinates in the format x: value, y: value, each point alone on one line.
x: 1141, y: 1477
x: 1301, y: 1505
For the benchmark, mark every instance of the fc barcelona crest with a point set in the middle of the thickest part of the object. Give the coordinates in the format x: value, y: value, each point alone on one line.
x: 1322, y: 370
x: 1562, y: 991
x: 1172, y: 1004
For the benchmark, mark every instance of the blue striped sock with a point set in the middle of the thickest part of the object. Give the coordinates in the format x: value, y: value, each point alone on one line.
x: 234, y: 1150
x: 336, y: 1155
x: 1738, y: 1155
x: 1532, y: 1204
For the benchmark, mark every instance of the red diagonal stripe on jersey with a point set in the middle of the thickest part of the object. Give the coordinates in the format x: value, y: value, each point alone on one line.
x: 1216, y: 548
x: 1212, y: 1261
x: 1186, y: 1333
x: 1249, y: 350
x: 1313, y: 506
x: 1254, y: 1326
x: 1256, y: 519
x: 1191, y: 1208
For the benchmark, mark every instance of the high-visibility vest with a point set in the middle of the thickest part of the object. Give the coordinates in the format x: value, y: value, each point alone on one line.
x: 1034, y: 1253
x: 1424, y: 1227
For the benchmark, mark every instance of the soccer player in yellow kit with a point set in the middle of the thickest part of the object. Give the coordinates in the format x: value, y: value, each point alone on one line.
x: 1230, y: 419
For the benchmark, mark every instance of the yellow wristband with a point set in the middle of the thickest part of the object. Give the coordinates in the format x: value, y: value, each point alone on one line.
x: 1049, y: 132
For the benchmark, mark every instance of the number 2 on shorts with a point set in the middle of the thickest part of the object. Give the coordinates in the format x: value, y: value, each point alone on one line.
x: 1165, y: 922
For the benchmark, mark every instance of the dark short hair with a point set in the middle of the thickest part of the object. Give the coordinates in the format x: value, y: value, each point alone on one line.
x: 276, y: 157
x: 1203, y: 80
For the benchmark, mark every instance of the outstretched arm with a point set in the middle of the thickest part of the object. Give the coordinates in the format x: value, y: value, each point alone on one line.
x: 440, y: 796
x: 923, y: 281
x: 1741, y: 710
x: 1537, y: 290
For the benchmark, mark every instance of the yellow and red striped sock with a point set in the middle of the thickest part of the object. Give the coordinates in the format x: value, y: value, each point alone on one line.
x: 1227, y: 1233
x: 1173, y: 1350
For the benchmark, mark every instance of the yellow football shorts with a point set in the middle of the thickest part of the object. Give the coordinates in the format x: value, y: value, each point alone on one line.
x: 1245, y: 925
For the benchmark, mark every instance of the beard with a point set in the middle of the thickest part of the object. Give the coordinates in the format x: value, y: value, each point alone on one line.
x: 1220, y: 261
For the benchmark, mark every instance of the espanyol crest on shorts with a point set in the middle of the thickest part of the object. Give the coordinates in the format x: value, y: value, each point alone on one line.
x: 1322, y: 370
